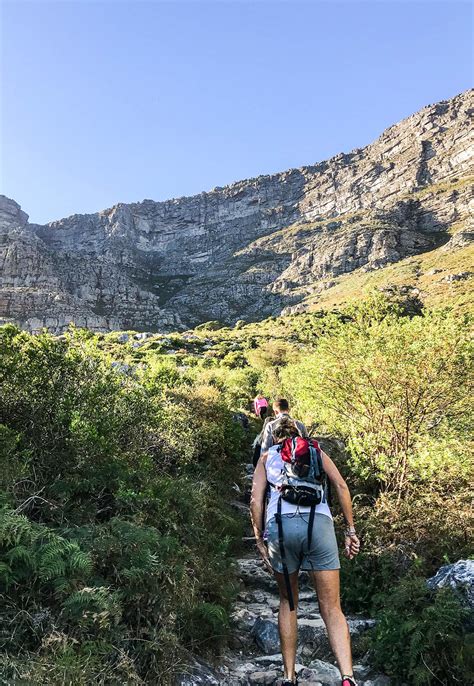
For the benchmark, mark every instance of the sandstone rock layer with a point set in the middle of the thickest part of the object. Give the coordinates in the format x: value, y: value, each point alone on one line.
x: 252, y: 249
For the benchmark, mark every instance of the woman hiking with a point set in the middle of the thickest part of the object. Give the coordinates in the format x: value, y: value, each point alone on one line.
x: 303, y: 537
x: 260, y: 406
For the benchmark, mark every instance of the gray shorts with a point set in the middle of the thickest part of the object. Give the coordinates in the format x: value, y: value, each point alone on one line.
x: 322, y: 554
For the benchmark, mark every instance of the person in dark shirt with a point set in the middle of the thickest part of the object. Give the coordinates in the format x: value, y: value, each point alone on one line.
x: 281, y: 409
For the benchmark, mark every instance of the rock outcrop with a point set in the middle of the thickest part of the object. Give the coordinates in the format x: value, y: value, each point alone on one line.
x: 459, y: 577
x: 250, y: 249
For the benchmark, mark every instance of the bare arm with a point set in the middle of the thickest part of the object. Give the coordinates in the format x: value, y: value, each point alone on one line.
x: 352, y: 544
x: 257, y: 503
x: 257, y: 498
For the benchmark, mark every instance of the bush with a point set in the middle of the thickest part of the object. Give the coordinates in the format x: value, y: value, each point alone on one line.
x: 270, y: 358
x: 391, y: 387
x: 213, y: 325
x: 420, y: 638
x: 413, y: 536
x: 115, y: 533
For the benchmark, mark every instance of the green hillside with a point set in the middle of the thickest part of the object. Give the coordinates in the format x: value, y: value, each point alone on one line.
x: 120, y: 456
x: 429, y: 273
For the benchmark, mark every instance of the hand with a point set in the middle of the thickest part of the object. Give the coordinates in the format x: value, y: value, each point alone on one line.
x: 351, y: 546
x: 263, y: 551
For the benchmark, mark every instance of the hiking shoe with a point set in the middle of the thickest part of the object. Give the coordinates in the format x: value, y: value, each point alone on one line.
x: 288, y: 682
x: 348, y: 681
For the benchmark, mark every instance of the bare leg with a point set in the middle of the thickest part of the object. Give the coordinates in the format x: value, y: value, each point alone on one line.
x: 326, y: 584
x: 287, y: 624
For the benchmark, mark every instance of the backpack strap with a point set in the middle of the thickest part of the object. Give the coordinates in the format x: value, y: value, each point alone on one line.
x: 317, y: 469
x: 283, y: 556
x: 326, y: 481
x: 293, y: 448
x: 328, y: 492
x: 312, y: 512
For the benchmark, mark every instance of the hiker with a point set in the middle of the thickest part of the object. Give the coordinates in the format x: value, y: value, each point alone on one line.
x: 257, y: 444
x: 301, y: 535
x: 281, y: 409
x: 260, y: 406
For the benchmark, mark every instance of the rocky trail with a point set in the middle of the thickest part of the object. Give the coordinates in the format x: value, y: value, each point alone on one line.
x: 254, y: 657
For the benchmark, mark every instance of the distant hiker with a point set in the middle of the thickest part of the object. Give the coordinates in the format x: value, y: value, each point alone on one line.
x: 301, y: 536
x: 260, y: 405
x: 281, y: 409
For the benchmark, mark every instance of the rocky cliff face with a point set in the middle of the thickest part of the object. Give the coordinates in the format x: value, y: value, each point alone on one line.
x: 250, y: 249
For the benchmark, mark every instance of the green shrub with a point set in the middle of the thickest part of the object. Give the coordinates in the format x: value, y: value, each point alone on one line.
x: 394, y: 389
x: 414, y: 536
x: 210, y: 326
x: 116, y: 535
x: 234, y: 359
x: 420, y: 637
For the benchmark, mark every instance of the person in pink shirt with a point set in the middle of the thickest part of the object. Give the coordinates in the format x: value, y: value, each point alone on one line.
x: 260, y: 405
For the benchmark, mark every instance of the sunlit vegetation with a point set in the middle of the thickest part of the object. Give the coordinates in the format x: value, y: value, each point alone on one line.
x: 120, y: 456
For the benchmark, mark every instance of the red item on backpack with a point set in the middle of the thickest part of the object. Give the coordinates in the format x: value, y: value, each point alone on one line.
x: 297, y: 449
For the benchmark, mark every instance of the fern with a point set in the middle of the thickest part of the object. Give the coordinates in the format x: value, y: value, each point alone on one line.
x: 15, y: 528
x: 6, y: 575
x: 94, y: 606
x: 62, y: 586
x: 51, y: 560
x: 35, y: 552
x: 80, y: 563
x: 21, y: 554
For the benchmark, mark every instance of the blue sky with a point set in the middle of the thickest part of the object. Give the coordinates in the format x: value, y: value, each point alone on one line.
x: 117, y: 101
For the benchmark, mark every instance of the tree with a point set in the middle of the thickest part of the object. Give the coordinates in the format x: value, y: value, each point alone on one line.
x: 389, y: 386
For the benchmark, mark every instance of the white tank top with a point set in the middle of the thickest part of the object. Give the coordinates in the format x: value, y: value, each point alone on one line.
x: 274, y: 466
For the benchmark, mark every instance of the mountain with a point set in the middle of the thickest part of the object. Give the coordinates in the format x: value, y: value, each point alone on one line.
x: 304, y: 238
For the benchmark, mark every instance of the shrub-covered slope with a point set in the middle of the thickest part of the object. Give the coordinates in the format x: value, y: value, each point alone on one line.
x: 116, y: 530
x: 120, y: 454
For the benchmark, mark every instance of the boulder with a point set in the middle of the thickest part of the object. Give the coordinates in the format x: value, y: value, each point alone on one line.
x: 265, y: 634
x: 361, y: 671
x: 321, y: 671
x: 268, y: 678
x: 458, y: 576
x: 380, y: 680
x: 461, y: 276
x: 197, y: 673
x: 459, y: 240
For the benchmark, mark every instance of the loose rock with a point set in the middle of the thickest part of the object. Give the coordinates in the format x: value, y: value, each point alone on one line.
x: 266, y: 636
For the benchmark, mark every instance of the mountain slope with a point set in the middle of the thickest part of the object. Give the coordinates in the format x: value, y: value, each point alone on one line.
x: 254, y: 248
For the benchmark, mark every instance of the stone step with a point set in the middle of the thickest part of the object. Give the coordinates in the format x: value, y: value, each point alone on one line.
x: 253, y: 574
x: 255, y: 658
x: 268, y: 670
